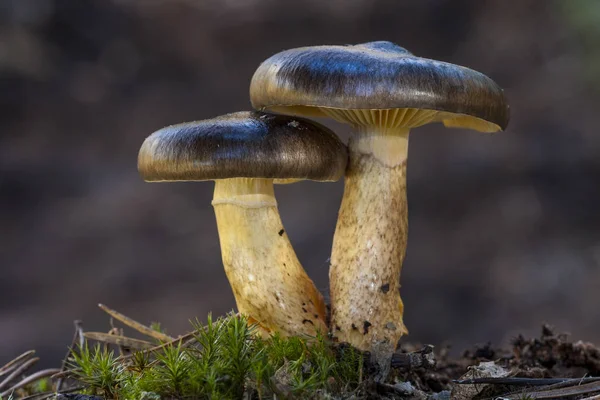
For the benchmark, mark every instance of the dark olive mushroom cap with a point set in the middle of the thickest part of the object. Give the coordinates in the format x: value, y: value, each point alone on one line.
x: 243, y: 145
x: 376, y: 76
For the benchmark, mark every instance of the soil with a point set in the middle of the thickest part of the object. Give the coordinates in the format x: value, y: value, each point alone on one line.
x: 551, y: 355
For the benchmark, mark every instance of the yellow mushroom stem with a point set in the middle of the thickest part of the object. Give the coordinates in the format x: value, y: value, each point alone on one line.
x: 372, y: 229
x: 369, y: 244
x: 269, y: 284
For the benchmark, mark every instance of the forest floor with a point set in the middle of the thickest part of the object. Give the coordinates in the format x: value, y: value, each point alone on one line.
x: 551, y: 366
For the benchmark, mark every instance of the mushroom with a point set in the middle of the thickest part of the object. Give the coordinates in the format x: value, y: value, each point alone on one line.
x: 383, y: 91
x: 244, y: 153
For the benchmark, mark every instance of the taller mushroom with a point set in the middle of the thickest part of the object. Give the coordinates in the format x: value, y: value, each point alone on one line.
x: 383, y: 91
x: 245, y: 153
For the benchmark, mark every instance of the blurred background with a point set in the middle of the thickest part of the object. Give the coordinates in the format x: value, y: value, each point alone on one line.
x: 504, y: 228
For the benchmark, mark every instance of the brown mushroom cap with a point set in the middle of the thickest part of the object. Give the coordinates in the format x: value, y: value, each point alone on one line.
x: 377, y: 76
x: 243, y: 145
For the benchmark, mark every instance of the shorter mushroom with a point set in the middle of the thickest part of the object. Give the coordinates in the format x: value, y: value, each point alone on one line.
x: 244, y: 153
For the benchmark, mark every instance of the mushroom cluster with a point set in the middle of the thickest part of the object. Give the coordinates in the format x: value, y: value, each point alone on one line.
x: 382, y: 91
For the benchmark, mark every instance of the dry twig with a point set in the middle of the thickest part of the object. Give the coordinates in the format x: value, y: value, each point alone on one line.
x: 510, y: 381
x: 11, y: 365
x: 136, y: 325
x: 185, y: 339
x: 118, y: 340
x: 77, y: 340
x: 423, y: 358
x: 18, y: 371
x: 547, y: 393
x: 30, y: 379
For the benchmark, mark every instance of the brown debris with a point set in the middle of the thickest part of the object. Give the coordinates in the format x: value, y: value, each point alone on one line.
x: 549, y: 356
x: 555, y: 355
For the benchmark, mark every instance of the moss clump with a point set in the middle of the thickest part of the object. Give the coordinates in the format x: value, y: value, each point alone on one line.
x: 224, y: 360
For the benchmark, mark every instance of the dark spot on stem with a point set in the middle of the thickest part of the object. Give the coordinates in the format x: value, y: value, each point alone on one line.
x: 366, y: 326
x: 304, y: 309
x: 385, y: 288
x: 337, y: 328
x: 307, y: 320
x: 276, y: 296
x: 354, y: 327
x: 281, y: 232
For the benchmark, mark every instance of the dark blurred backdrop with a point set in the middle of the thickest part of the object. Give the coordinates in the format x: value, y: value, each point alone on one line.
x: 504, y: 228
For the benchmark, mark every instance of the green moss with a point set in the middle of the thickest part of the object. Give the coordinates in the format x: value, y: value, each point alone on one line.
x: 42, y: 386
x: 157, y: 327
x: 225, y: 360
